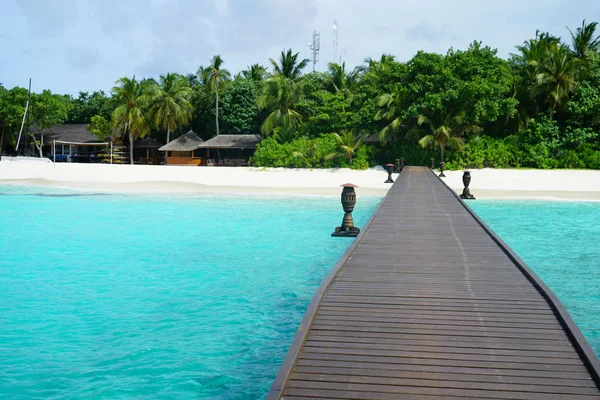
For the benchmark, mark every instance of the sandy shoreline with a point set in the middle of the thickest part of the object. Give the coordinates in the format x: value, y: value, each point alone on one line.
x: 486, y: 183
x: 187, y: 188
x: 563, y: 184
x: 187, y: 179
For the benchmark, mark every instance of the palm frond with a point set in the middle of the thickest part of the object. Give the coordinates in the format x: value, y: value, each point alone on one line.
x: 428, y: 141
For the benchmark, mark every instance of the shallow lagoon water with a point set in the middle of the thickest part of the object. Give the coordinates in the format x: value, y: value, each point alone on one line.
x: 131, y: 296
x: 559, y: 240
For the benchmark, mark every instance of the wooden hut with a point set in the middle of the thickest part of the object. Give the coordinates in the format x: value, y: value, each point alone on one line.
x: 145, y: 151
x: 230, y: 150
x: 183, y: 150
x: 72, y: 142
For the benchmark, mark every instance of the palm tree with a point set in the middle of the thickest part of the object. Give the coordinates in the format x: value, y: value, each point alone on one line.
x: 128, y: 118
x: 170, y: 103
x: 307, y: 148
x: 441, y: 130
x: 585, y: 42
x: 192, y: 80
x: 255, y: 72
x: 284, y: 133
x: 288, y: 65
x: 375, y: 67
x: 216, y: 77
x: 341, y: 81
x: 549, y: 72
x: 279, y: 97
x: 348, y: 141
x: 557, y: 76
x: 391, y: 108
x: 534, y: 52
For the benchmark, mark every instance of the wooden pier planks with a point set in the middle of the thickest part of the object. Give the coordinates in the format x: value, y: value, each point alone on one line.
x: 429, y: 304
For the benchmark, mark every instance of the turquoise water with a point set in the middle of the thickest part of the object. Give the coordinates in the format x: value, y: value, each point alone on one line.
x: 560, y: 241
x: 115, y: 296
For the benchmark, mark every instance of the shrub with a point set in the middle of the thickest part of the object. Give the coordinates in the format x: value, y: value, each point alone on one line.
x: 308, y: 153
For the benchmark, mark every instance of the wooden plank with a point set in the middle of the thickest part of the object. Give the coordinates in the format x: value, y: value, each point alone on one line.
x: 560, y: 377
x: 365, y: 350
x: 441, y: 320
x: 452, y: 349
x: 391, y: 359
x: 293, y: 393
x: 439, y: 330
x: 503, y: 379
x: 428, y: 391
x: 429, y: 303
x: 423, y: 380
x: 450, y: 342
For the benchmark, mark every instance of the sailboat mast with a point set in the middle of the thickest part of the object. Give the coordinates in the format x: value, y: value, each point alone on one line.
x: 24, y: 115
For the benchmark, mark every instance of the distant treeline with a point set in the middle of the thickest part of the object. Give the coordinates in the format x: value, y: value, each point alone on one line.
x: 540, y: 108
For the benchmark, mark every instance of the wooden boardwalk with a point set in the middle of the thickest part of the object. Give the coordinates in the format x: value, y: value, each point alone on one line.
x: 428, y: 303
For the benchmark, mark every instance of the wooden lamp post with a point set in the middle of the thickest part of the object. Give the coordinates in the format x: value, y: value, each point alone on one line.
x: 390, y: 169
x: 466, y: 194
x: 348, y: 201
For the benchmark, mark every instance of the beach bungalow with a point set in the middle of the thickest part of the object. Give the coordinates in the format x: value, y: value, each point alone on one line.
x: 232, y: 150
x: 74, y: 142
x: 145, y: 151
x: 183, y: 150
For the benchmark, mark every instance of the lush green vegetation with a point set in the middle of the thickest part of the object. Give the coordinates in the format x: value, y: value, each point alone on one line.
x: 470, y: 108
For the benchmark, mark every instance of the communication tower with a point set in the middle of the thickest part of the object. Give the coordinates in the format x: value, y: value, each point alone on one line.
x: 335, y: 41
x: 315, y: 46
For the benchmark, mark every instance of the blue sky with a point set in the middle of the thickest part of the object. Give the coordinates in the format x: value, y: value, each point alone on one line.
x: 72, y: 45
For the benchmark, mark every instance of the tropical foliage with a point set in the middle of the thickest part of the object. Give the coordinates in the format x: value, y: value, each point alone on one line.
x: 170, y: 103
x: 215, y: 77
x: 539, y: 108
x: 129, y: 117
x: 348, y: 143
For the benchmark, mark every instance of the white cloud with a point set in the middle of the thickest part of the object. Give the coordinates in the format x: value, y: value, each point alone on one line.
x: 69, y: 45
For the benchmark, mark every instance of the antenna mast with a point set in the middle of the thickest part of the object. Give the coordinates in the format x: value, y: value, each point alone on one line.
x: 335, y: 40
x: 315, y: 46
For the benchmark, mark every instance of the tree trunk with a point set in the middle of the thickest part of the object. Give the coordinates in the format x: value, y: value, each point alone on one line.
x: 551, y: 112
x: 442, y: 151
x: 35, y: 142
x: 2, y: 141
x: 217, y: 109
x: 131, y: 148
x: 168, y: 133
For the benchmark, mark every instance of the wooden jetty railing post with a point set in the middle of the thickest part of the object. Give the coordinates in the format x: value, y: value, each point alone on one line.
x: 466, y: 194
x: 348, y: 201
x: 390, y: 169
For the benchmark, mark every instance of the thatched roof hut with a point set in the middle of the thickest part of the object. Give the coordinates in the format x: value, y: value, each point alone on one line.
x: 75, y: 133
x: 374, y: 138
x: 239, y: 141
x: 147, y: 143
x: 187, y: 142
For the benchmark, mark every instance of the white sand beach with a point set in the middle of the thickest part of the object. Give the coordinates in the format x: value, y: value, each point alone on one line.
x: 559, y: 184
x: 191, y: 179
x: 486, y: 183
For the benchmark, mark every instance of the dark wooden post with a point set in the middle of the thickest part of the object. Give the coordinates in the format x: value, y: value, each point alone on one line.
x: 466, y: 194
x: 390, y: 169
x: 442, y: 170
x: 432, y: 160
x: 348, y: 201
